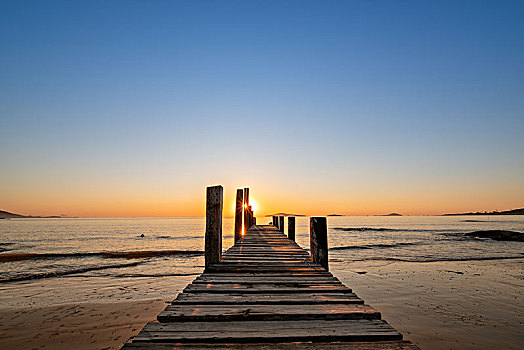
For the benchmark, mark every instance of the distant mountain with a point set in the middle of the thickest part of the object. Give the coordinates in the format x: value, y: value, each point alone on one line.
x: 392, y: 214
x: 335, y: 215
x: 7, y: 215
x: 507, y: 212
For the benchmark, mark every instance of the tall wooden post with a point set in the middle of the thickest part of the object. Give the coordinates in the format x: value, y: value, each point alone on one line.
x: 291, y: 228
x: 254, y: 220
x: 238, y: 214
x: 275, y: 221
x: 281, y: 224
x: 250, y: 215
x: 214, y: 205
x: 246, y: 205
x: 318, y: 241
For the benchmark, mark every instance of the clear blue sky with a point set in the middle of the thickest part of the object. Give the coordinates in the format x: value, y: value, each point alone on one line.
x: 338, y: 106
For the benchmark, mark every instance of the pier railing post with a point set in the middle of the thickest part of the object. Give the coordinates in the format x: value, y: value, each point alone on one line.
x: 291, y: 228
x: 275, y: 223
x: 214, y: 205
x: 318, y: 241
x: 238, y: 214
x: 281, y: 224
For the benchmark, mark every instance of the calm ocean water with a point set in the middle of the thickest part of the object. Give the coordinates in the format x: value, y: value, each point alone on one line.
x: 77, y: 249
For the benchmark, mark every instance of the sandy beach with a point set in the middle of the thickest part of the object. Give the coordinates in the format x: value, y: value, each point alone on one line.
x: 76, y: 326
x: 437, y: 305
x: 446, y: 304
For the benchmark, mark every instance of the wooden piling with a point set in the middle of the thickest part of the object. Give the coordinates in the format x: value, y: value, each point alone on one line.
x: 275, y: 221
x: 281, y: 224
x: 250, y: 216
x: 246, y: 205
x: 291, y: 228
x: 318, y: 241
x: 213, y: 244
x: 238, y: 214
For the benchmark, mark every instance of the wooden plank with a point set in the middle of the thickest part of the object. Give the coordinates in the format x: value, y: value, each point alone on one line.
x: 308, y: 274
x: 238, y: 312
x: 262, y: 259
x: 262, y: 251
x: 280, y: 265
x: 268, y: 331
x: 276, y: 280
x: 261, y: 268
x: 382, y: 345
x: 265, y: 288
x: 267, y: 262
x: 274, y: 298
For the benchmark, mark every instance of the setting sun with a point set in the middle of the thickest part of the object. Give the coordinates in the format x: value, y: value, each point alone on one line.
x: 253, y: 205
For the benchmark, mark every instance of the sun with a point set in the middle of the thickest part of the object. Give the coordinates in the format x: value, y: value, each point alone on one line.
x: 253, y: 205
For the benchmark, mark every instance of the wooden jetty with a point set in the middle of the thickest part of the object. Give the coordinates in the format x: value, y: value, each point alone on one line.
x: 266, y: 292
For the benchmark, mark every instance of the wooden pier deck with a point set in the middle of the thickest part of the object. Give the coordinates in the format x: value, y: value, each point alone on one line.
x: 266, y: 294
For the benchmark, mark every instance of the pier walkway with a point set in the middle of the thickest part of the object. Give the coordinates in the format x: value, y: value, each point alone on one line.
x: 266, y: 293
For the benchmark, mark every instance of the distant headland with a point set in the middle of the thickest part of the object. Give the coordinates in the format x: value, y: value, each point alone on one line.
x: 507, y: 212
x: 392, y: 214
x: 7, y: 215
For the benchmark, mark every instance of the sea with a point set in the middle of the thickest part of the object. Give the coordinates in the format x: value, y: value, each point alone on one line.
x: 54, y: 261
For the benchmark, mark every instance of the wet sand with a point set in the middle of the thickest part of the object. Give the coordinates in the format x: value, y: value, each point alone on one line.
x: 445, y: 305
x: 76, y: 326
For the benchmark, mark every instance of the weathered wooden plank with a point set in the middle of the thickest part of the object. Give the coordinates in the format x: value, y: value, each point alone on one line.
x: 269, y: 331
x: 382, y: 345
x: 262, y: 280
x: 262, y: 258
x: 236, y: 312
x: 265, y: 288
x: 308, y: 273
x: 274, y: 298
x: 255, y: 269
x: 286, y: 263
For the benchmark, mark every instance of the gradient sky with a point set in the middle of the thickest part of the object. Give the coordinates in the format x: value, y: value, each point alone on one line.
x: 131, y: 108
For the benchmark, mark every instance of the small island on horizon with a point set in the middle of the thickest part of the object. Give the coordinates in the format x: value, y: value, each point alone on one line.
x: 284, y: 214
x: 506, y: 212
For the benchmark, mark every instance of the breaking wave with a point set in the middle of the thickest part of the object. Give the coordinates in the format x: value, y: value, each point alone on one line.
x: 365, y: 229
x: 26, y: 277
x: 433, y: 259
x: 115, y: 255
